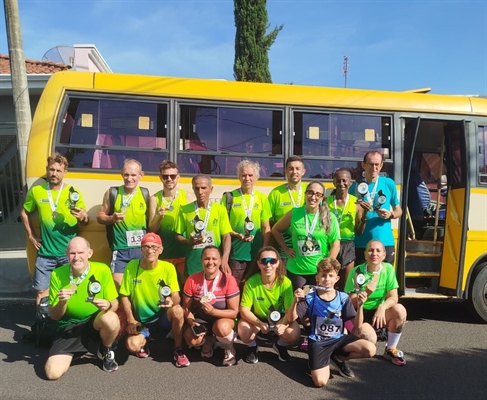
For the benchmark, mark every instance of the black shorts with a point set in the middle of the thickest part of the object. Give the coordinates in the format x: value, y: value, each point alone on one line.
x: 347, y: 253
x: 319, y: 352
x: 299, y: 281
x: 77, y: 338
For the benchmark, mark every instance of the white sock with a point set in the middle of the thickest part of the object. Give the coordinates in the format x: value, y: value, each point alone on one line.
x: 227, y: 340
x: 252, y: 343
x: 393, y: 339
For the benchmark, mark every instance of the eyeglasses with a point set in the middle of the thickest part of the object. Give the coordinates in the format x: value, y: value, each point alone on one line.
x: 310, y: 193
x: 148, y: 248
x: 172, y: 176
x: 267, y: 260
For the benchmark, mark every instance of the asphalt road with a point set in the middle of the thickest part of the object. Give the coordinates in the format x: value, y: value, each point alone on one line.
x: 446, y: 356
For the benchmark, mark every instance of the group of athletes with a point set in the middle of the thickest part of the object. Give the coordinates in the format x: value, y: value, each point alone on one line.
x: 277, y: 264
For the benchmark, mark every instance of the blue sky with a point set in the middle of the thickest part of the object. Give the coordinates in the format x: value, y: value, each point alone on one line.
x: 390, y: 44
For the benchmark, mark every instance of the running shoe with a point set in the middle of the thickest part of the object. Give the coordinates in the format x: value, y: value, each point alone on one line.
x: 180, y: 358
x: 229, y: 358
x: 142, y: 353
x: 342, y: 367
x: 251, y: 356
x: 282, y: 353
x: 396, y: 356
x: 108, y: 357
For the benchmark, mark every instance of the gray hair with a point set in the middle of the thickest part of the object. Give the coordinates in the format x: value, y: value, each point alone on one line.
x: 201, y: 176
x: 248, y: 163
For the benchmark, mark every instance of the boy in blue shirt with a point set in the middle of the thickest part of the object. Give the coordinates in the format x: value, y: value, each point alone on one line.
x: 327, y: 310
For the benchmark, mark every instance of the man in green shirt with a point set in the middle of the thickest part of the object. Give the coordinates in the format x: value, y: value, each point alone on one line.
x: 203, y: 223
x: 83, y: 299
x: 284, y: 198
x: 61, y: 208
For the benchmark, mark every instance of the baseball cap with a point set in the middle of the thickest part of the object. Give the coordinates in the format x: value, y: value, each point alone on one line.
x: 151, y: 238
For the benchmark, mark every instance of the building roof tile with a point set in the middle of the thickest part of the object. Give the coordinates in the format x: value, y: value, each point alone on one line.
x: 33, y: 66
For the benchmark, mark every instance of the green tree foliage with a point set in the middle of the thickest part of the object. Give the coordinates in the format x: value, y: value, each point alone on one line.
x: 251, y: 41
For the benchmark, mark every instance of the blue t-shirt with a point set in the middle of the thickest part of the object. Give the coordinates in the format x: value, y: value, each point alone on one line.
x: 377, y: 228
x: 327, y: 317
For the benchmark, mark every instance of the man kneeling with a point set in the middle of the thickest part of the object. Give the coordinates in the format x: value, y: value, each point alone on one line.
x: 83, y: 299
x: 150, y: 298
x: 328, y: 309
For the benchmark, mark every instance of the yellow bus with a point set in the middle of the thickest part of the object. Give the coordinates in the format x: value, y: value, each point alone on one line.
x: 434, y: 147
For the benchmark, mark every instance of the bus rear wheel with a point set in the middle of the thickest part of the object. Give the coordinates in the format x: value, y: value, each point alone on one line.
x: 478, y: 293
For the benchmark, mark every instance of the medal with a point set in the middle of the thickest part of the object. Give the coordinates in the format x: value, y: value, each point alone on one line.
x: 363, y: 189
x: 55, y: 215
x: 275, y: 316
x: 309, y: 244
x: 73, y: 197
x: 93, y: 289
x: 74, y: 287
x: 123, y: 209
x: 199, y: 226
x: 205, y: 299
x: 306, y: 290
x: 164, y: 292
x: 381, y: 200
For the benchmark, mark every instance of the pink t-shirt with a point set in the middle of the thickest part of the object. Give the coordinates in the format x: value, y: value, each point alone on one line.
x: 194, y: 288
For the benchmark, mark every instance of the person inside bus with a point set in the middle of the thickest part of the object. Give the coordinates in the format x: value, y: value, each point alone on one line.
x: 61, y: 209
x: 285, y: 197
x: 380, y: 202
x: 249, y: 214
x: 377, y: 278
x: 210, y: 303
x: 164, y: 209
x: 266, y: 297
x: 124, y: 213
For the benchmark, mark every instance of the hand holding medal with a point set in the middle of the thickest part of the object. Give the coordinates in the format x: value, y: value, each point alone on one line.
x: 164, y: 294
x: 273, y: 317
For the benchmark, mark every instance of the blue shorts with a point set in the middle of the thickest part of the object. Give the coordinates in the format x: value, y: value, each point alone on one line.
x: 159, y: 325
x: 44, y: 267
x: 120, y: 259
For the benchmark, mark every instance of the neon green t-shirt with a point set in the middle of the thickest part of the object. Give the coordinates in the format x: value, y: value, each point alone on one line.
x: 77, y: 308
x: 142, y: 286
x: 261, y: 212
x: 345, y: 216
x: 260, y: 299
x: 281, y: 203
x: 128, y: 233
x: 166, y: 230
x: 387, y: 281
x: 218, y: 225
x: 57, y: 230
x: 307, y: 258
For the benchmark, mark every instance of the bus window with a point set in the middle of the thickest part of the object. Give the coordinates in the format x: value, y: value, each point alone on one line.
x: 213, y: 140
x: 101, y: 134
x: 321, y: 136
x: 482, y: 132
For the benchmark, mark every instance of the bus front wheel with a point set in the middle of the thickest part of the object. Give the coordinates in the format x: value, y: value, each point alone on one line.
x: 478, y: 293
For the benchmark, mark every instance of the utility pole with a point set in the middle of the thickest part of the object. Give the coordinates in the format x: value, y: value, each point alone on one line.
x: 23, y: 117
x: 345, y: 69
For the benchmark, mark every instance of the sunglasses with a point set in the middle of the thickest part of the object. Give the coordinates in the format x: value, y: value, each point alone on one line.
x: 310, y: 193
x: 267, y: 260
x: 166, y: 177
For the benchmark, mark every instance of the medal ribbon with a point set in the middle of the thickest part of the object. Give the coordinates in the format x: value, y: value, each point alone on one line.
x: 339, y: 218
x: 300, y: 195
x: 365, y: 272
x: 371, y: 195
x: 309, y: 231
x: 81, y: 278
x: 205, y: 286
x: 166, y: 203
x: 125, y: 200
x: 248, y: 211
x: 49, y: 196
x: 315, y: 287
x: 207, y: 216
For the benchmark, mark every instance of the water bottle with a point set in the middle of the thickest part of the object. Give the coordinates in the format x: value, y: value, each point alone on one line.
x: 143, y: 331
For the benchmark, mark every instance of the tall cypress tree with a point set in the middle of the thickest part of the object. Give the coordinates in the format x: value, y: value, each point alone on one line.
x: 251, y: 41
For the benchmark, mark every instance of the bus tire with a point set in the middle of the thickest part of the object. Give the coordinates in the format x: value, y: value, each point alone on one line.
x: 478, y: 292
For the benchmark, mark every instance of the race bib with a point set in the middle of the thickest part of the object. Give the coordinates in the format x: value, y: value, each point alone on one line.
x: 209, y: 240
x: 308, y: 248
x: 134, y: 238
x: 327, y: 327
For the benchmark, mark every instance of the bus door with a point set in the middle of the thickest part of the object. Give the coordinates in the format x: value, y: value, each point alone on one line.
x: 457, y: 208
x: 432, y: 229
